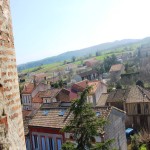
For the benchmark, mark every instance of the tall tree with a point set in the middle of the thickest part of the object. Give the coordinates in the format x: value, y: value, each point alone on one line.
x: 73, y: 58
x: 84, y: 123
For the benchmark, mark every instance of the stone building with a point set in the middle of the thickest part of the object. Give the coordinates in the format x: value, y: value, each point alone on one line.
x: 11, y: 122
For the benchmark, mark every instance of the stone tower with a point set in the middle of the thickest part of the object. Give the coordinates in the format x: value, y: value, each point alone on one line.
x: 11, y: 122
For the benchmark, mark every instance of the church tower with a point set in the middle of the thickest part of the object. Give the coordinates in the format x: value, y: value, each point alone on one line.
x: 11, y: 122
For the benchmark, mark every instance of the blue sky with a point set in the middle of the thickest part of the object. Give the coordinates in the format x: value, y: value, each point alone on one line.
x: 44, y: 28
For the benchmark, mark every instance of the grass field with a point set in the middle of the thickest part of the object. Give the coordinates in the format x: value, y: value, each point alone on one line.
x: 54, y: 66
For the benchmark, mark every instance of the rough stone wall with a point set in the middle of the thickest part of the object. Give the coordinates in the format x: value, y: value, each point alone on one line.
x: 116, y: 130
x: 11, y: 122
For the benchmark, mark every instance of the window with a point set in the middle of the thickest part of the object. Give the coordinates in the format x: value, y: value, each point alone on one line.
x: 62, y: 112
x: 50, y: 142
x: 98, y: 114
x: 138, y: 108
x: 43, y: 144
x: 59, y: 143
x: 45, y: 112
x: 35, y: 141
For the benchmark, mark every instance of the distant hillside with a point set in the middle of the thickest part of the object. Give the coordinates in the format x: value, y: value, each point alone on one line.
x: 81, y: 52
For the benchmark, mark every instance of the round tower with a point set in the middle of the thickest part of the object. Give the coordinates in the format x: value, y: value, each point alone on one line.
x: 11, y: 122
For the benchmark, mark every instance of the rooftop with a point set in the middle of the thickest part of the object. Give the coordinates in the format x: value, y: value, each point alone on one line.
x: 66, y: 95
x: 138, y: 94
x: 37, y: 98
x: 45, y: 117
x: 102, y: 99
x: 28, y: 88
x: 119, y: 95
x: 116, y: 67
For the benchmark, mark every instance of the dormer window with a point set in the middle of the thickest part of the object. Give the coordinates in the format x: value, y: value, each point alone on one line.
x: 62, y: 112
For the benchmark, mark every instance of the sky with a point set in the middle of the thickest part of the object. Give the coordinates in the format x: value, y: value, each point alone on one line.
x: 45, y: 28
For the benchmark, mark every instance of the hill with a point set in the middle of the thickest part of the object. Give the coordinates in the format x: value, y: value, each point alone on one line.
x: 82, y: 52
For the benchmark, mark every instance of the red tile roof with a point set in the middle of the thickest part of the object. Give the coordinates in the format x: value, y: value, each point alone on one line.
x: 50, y: 93
x: 80, y: 86
x: 66, y: 95
x: 28, y: 89
x: 37, y: 98
x: 26, y: 113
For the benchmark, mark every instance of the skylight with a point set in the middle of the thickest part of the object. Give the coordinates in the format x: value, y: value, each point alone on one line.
x: 45, y: 112
x: 62, y: 112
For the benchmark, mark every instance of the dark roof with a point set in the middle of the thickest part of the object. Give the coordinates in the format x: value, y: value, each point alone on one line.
x: 138, y: 94
x: 119, y: 95
x: 84, y: 74
x: 50, y: 105
x: 66, y: 95
x: 55, y: 105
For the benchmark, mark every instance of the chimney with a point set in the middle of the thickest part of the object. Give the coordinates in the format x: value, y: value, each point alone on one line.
x: 34, y: 81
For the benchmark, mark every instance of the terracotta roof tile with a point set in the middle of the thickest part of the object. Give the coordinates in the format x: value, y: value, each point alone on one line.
x: 51, y: 118
x: 50, y: 93
x: 66, y: 95
x: 28, y: 89
x: 80, y: 86
x: 37, y: 98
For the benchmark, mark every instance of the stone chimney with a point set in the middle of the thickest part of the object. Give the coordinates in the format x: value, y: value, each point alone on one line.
x: 11, y: 122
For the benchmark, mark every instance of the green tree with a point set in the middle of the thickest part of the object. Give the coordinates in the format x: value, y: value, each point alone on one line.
x: 135, y: 145
x: 84, y: 123
x: 73, y: 58
x: 98, y: 53
x: 109, y: 61
x: 68, y: 146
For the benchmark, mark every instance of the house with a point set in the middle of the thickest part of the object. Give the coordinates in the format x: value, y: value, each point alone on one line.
x: 138, y: 108
x: 91, y: 62
x: 117, y: 98
x: 98, y: 88
x: 45, y: 131
x: 66, y: 95
x: 49, y: 95
x: 76, y: 78
x: 30, y: 93
x: 116, y: 71
x: 40, y: 77
x: 135, y: 101
x: 70, y: 66
x: 90, y: 75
